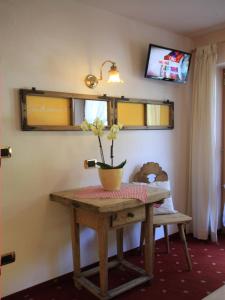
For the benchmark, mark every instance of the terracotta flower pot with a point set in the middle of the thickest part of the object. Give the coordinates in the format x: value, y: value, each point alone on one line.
x: 110, y: 178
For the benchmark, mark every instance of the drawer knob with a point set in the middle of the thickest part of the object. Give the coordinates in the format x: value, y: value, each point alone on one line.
x: 130, y: 215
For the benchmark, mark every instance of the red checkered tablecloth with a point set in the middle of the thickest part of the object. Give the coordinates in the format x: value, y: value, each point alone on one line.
x: 139, y: 192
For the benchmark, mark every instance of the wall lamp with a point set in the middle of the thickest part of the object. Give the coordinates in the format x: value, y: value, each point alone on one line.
x: 91, y: 81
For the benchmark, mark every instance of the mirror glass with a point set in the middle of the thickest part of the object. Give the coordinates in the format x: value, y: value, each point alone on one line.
x: 158, y: 115
x: 90, y: 110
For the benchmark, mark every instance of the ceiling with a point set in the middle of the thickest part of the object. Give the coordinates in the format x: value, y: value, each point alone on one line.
x: 187, y: 17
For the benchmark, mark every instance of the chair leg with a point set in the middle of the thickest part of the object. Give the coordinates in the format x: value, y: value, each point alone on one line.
x: 154, y: 243
x: 165, y: 228
x: 183, y: 238
x: 142, y: 237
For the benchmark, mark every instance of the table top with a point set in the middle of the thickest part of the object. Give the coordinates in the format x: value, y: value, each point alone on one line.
x: 107, y: 205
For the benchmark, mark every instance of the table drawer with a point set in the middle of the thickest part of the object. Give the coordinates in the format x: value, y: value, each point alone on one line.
x: 127, y: 216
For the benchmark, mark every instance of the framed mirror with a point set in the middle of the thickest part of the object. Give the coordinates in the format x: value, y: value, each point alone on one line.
x: 144, y: 114
x: 45, y: 110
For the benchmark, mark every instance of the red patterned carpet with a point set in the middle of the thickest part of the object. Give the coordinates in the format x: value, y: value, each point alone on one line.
x: 171, y: 281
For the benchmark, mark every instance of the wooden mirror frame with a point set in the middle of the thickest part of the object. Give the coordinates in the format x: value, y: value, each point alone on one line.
x: 145, y: 102
x: 71, y: 97
x: 112, y: 110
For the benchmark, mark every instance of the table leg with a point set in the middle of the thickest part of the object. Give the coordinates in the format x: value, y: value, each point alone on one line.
x: 119, y: 239
x: 103, y: 254
x: 149, y: 242
x: 75, y: 234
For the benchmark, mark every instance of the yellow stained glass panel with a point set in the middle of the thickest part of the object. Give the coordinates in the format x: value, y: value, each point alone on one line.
x: 48, y: 111
x: 164, y: 115
x: 131, y: 114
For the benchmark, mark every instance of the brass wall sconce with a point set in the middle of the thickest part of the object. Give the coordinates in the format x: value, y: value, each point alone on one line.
x: 91, y: 81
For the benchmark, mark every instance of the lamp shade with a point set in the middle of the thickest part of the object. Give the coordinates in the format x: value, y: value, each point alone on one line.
x: 114, y: 75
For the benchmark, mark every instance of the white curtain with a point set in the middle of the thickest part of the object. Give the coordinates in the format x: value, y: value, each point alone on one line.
x: 205, y: 186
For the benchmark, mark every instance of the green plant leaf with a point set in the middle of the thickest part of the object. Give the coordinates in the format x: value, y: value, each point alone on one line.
x: 120, y: 165
x: 103, y: 165
x: 106, y: 166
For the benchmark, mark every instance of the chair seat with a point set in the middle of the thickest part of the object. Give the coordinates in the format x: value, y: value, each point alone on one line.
x: 177, y: 218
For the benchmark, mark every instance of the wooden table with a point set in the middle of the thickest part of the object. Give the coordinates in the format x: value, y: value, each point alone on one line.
x: 104, y: 215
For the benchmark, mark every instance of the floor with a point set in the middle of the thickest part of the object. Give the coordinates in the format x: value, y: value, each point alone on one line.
x: 171, y: 281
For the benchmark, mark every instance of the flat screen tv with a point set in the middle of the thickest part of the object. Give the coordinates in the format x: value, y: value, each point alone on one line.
x: 167, y: 64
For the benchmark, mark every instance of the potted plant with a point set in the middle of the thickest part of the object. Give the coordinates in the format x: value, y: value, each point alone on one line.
x: 110, y: 175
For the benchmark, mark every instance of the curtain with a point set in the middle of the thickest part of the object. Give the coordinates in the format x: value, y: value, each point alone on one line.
x: 204, y: 183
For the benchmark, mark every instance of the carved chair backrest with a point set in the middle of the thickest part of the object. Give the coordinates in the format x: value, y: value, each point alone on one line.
x: 148, y: 169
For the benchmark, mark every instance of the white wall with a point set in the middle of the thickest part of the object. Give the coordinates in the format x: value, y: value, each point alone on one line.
x: 52, y: 45
x: 213, y: 37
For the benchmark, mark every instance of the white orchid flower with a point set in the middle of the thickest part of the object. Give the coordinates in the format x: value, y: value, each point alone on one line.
x: 114, y: 130
x: 97, y: 127
x: 85, y: 126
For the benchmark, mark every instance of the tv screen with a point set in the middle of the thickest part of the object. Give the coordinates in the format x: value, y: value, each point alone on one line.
x: 167, y: 64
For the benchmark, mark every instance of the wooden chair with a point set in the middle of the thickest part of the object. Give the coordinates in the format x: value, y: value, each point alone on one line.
x: 166, y: 219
